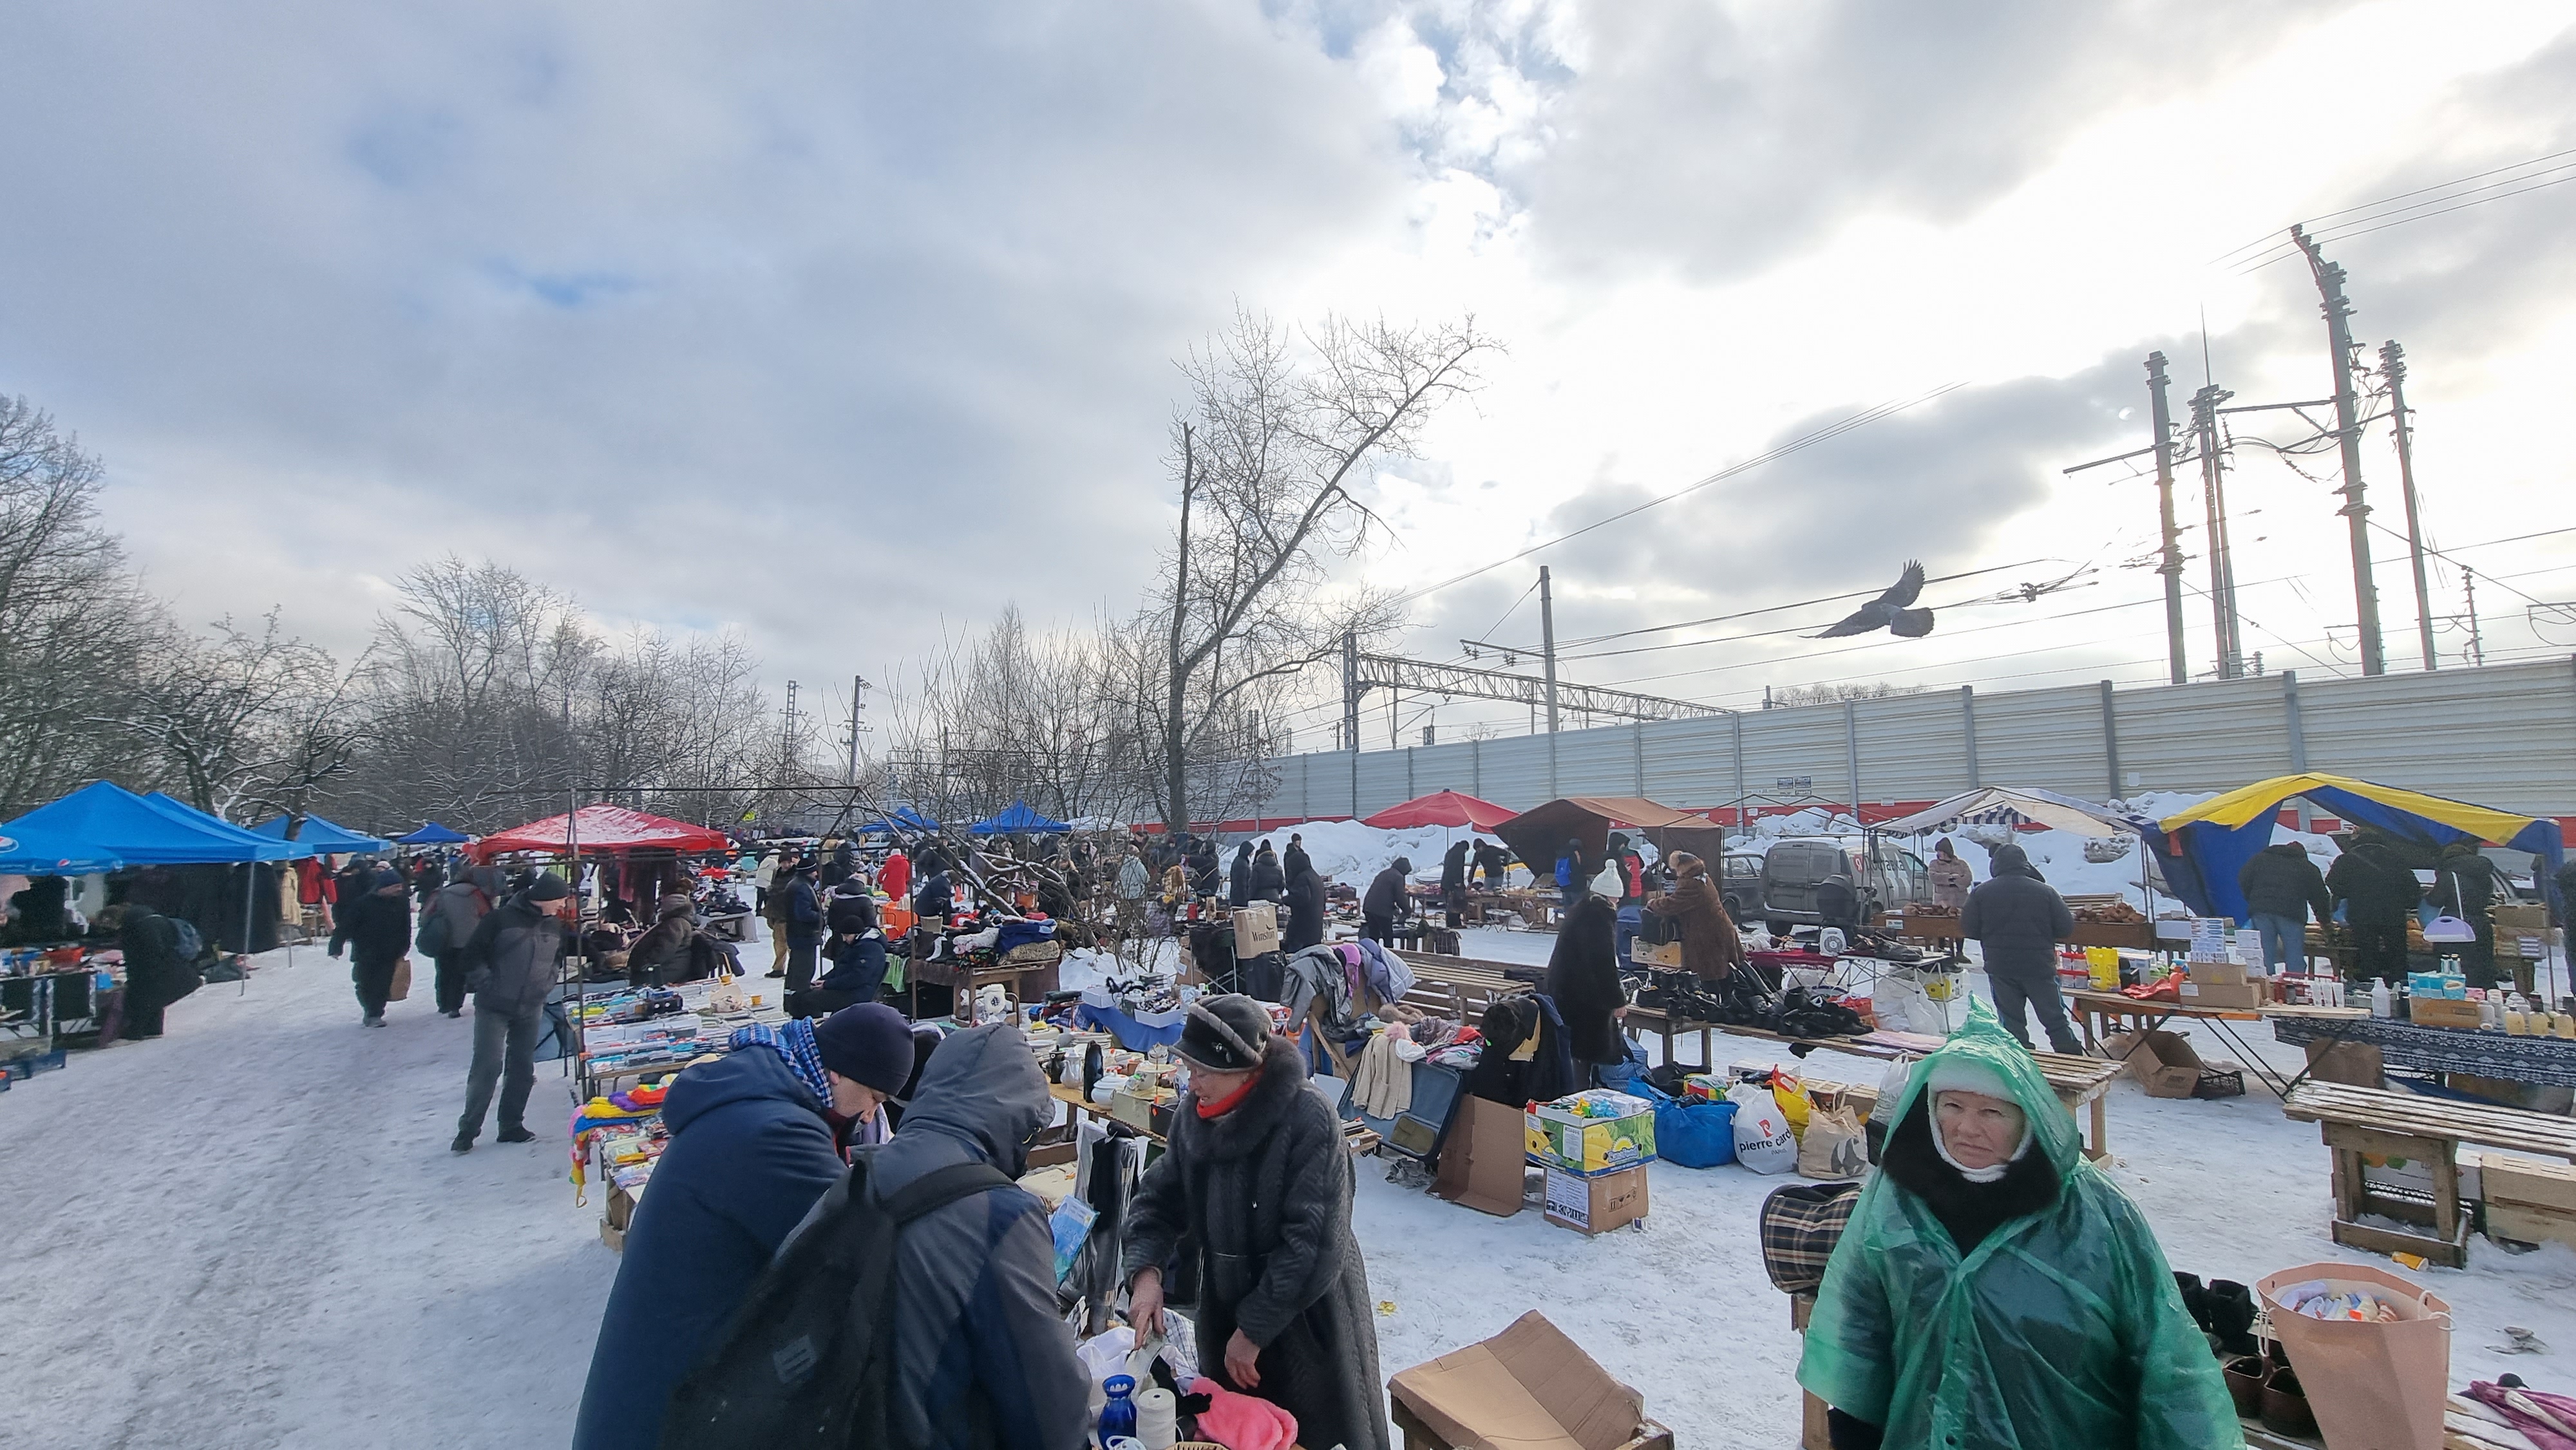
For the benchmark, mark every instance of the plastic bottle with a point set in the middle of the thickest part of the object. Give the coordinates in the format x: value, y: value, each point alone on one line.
x: 2379, y: 1003
x: 1118, y: 1416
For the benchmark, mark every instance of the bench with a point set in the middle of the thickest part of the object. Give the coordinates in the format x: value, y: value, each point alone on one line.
x: 2357, y: 1120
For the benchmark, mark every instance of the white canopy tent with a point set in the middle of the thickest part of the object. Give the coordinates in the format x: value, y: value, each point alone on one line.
x: 1997, y: 805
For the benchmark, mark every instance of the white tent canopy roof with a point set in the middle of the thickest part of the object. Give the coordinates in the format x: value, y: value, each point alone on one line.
x: 2008, y: 806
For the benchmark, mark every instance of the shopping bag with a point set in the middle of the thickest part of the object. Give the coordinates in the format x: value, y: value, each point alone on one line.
x: 1763, y: 1141
x: 1833, y: 1146
x: 2376, y: 1385
x: 401, y: 987
x: 1791, y: 1095
x: 1694, y: 1135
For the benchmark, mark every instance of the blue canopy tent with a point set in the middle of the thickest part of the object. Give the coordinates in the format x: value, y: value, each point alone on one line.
x: 322, y: 837
x: 905, y: 818
x: 155, y: 830
x: 1017, y: 819
x: 431, y: 833
x: 35, y: 851
x: 2203, y: 848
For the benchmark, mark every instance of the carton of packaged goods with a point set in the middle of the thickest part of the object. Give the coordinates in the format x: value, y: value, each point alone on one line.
x: 1595, y: 1131
x: 1596, y: 1203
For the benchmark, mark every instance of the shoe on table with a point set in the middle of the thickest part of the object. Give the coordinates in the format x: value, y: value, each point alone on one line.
x: 464, y: 1143
x: 514, y: 1135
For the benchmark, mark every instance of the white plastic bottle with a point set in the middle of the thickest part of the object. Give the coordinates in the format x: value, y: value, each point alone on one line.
x: 2379, y: 1004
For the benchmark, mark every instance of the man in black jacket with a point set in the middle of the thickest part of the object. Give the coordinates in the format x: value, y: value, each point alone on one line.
x: 511, y: 963
x: 1453, y: 884
x: 805, y: 927
x: 2017, y: 919
x: 377, y: 929
x: 1385, y: 902
x: 2378, y: 892
x: 2281, y: 885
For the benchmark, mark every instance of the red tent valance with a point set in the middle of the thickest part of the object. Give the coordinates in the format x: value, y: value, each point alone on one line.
x: 1440, y: 808
x: 603, y: 831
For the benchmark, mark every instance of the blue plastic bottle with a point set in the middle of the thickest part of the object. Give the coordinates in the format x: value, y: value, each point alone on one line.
x: 1118, y: 1417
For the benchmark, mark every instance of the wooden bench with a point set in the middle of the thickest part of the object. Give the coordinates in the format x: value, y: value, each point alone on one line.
x: 2357, y: 1120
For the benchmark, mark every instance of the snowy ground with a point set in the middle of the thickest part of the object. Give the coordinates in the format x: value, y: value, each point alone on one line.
x: 250, y: 1233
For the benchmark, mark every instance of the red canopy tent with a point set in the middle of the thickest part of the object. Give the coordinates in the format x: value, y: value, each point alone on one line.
x: 601, y: 831
x: 1441, y: 808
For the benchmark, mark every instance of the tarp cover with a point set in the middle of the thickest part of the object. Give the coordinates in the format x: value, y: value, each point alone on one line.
x: 431, y: 833
x: 602, y: 831
x: 2217, y: 837
x: 1440, y: 808
x: 323, y: 836
x: 1018, y: 818
x: 35, y: 851
x: 1997, y: 805
x: 905, y: 818
x: 1536, y: 835
x: 106, y: 819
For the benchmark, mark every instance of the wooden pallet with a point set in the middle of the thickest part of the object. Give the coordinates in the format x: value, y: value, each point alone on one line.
x: 2356, y: 1122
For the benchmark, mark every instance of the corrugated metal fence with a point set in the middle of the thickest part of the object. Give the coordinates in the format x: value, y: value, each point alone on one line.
x: 2502, y: 736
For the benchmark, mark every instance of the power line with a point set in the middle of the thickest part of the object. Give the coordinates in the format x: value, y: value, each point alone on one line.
x: 2267, y: 240
x: 1832, y: 430
x: 2346, y: 234
x: 1776, y: 608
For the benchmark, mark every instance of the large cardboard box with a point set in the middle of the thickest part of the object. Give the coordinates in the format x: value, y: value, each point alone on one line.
x: 2355, y: 1064
x: 2162, y: 1062
x: 2217, y: 974
x: 1529, y: 1388
x: 1561, y: 1137
x: 2528, y: 1182
x: 2441, y: 1012
x: 2512, y: 919
x: 2243, y: 996
x: 1483, y: 1163
x: 1256, y: 929
x: 1596, y: 1203
x: 1647, y: 954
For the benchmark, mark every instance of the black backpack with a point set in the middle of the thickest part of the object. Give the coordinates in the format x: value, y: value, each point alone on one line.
x: 807, y: 1360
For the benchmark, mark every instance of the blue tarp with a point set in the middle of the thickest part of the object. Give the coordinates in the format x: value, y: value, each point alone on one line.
x: 323, y: 837
x: 153, y: 830
x: 432, y: 833
x: 1017, y: 818
x: 905, y: 818
x: 35, y: 851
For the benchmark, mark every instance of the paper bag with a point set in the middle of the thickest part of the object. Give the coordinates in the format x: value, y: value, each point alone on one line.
x: 401, y: 987
x: 1833, y: 1146
x: 2372, y: 1386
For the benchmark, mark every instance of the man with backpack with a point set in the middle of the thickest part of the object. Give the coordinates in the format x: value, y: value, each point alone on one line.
x: 448, y: 924
x: 511, y: 964
x: 916, y: 1305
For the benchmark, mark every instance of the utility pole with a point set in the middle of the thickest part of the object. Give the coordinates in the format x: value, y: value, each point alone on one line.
x: 1547, y: 650
x: 858, y: 702
x: 2477, y: 646
x: 790, y: 738
x: 2222, y: 561
x: 2392, y: 360
x: 2177, y: 665
x: 2338, y: 311
x: 1351, y: 711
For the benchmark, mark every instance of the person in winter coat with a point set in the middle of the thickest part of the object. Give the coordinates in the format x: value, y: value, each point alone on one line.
x: 2017, y: 919
x: 2378, y: 892
x: 857, y: 951
x: 1134, y: 882
x: 1710, y: 944
x: 661, y: 956
x: 460, y: 906
x: 1995, y: 1288
x: 1295, y: 857
x: 2465, y: 885
x: 1206, y: 877
x: 1305, y: 910
x: 511, y: 964
x: 1572, y: 881
x: 1950, y: 877
x: 773, y: 908
x: 1453, y: 884
x: 1386, y: 902
x: 2281, y: 885
x: 1255, y: 1183
x: 843, y: 865
x: 752, y: 1147
x: 1238, y: 877
x: 804, y: 922
x: 982, y: 1360
x: 894, y: 878
x: 1583, y: 980
x: 155, y: 975
x: 932, y: 896
x: 376, y: 928
x: 1632, y: 869
x: 1269, y: 881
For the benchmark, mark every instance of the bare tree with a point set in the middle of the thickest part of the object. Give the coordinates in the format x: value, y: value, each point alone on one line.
x: 1836, y: 694
x: 1270, y: 453
x: 213, y: 710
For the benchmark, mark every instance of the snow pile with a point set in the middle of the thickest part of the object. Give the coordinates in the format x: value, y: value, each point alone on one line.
x: 1353, y: 854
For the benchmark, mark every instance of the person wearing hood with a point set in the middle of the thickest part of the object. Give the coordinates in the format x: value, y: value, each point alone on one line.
x: 843, y: 865
x: 1386, y: 901
x: 754, y: 1142
x: 1134, y: 881
x: 2281, y: 887
x: 1269, y: 881
x: 376, y: 928
x: 1453, y: 884
x: 1238, y: 877
x: 1951, y: 878
x: 2465, y: 885
x: 1256, y: 1185
x: 857, y: 951
x: 1583, y: 981
x: 2378, y: 892
x: 460, y: 906
x: 1495, y: 865
x: 933, y: 898
x: 511, y: 964
x: 1995, y: 1288
x: 982, y: 1360
x: 894, y: 878
x: 2016, y: 919
x: 1572, y: 881
x: 1305, y: 895
x: 155, y: 974
x: 1207, y: 879
x: 661, y: 956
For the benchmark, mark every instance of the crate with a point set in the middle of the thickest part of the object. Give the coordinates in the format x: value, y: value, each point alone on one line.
x: 2220, y: 1082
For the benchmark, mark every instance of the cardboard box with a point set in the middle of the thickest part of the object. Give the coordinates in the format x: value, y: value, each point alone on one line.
x: 2530, y: 1225
x: 2162, y: 1062
x: 2442, y: 1012
x: 2528, y: 1182
x: 2217, y: 974
x: 1528, y: 1387
x: 2515, y: 919
x: 1596, y: 1203
x: 1646, y: 954
x: 2354, y: 1064
x: 1256, y: 929
x: 2244, y: 996
x: 1560, y: 1137
x: 1482, y: 1165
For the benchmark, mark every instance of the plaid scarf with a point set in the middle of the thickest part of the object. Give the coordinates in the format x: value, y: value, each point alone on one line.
x: 794, y: 1041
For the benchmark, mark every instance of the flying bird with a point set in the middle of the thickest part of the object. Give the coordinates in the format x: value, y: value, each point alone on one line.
x: 1888, y: 610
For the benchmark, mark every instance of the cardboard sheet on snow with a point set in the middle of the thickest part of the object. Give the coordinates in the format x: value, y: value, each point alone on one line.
x: 1527, y: 1388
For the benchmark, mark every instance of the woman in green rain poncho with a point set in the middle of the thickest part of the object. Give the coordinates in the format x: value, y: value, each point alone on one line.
x: 1996, y: 1290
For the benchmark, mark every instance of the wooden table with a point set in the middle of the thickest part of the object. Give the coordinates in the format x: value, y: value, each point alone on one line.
x: 2093, y: 1009
x: 2355, y: 1121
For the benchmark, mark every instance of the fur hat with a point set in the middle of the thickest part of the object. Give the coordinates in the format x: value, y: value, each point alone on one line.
x: 1225, y: 1034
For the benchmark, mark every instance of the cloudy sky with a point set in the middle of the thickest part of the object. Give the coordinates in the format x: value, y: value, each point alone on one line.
x: 841, y: 324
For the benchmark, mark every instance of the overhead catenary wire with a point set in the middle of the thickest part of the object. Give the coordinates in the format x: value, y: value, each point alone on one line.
x: 2272, y: 238
x: 2346, y: 234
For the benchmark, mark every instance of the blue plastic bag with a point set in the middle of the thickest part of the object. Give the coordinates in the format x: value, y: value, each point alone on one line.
x: 1694, y: 1135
